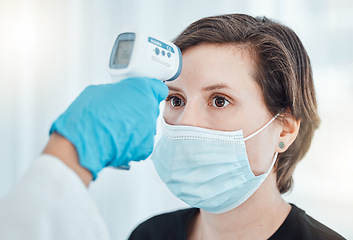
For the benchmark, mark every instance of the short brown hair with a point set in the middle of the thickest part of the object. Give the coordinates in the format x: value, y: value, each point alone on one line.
x: 283, y: 71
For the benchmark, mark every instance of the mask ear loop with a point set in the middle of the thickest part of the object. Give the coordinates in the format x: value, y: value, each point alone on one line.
x: 258, y: 131
x: 273, y: 163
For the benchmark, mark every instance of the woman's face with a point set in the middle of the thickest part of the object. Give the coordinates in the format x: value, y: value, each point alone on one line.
x: 216, y: 90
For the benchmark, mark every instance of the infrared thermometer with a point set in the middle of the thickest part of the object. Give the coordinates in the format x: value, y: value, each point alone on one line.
x: 136, y: 54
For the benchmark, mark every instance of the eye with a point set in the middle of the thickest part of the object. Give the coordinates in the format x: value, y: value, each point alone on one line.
x: 175, y: 101
x: 219, y: 101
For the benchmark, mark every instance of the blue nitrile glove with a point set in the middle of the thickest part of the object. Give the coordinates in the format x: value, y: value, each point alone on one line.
x: 113, y: 124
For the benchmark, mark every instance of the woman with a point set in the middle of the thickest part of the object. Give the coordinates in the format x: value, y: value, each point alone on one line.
x: 239, y: 118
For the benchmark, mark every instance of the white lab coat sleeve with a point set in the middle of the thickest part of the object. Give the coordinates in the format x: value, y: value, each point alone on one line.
x: 50, y: 202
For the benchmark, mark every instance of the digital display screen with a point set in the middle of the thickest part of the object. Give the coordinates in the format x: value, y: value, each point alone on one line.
x: 123, y: 53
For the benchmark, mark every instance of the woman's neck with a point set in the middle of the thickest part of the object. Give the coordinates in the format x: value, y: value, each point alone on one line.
x: 257, y: 218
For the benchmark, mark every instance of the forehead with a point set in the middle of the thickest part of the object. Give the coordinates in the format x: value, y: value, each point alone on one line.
x: 210, y: 64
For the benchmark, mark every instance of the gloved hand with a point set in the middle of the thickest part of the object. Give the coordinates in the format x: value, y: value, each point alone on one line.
x: 113, y: 124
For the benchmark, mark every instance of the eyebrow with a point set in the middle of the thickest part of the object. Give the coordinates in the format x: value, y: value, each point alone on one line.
x: 208, y: 88
x: 175, y: 89
x: 215, y: 87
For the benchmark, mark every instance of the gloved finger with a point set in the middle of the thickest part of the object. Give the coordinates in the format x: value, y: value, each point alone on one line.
x: 160, y: 89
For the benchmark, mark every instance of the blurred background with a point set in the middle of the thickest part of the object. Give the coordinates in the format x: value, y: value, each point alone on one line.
x: 51, y: 50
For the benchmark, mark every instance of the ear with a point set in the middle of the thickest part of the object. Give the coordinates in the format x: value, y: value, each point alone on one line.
x: 290, y: 129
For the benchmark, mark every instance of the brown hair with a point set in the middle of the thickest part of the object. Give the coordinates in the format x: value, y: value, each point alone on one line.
x: 283, y: 73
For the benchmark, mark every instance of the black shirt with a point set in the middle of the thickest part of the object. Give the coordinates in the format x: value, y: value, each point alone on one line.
x: 173, y: 226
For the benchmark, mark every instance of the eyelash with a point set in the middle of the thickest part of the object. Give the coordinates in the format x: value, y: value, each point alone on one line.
x: 215, y: 96
x: 171, y: 97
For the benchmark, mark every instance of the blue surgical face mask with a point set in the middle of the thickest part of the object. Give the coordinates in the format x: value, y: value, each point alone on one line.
x: 205, y: 168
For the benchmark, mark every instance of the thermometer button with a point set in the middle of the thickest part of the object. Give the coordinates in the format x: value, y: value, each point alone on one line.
x: 156, y: 51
